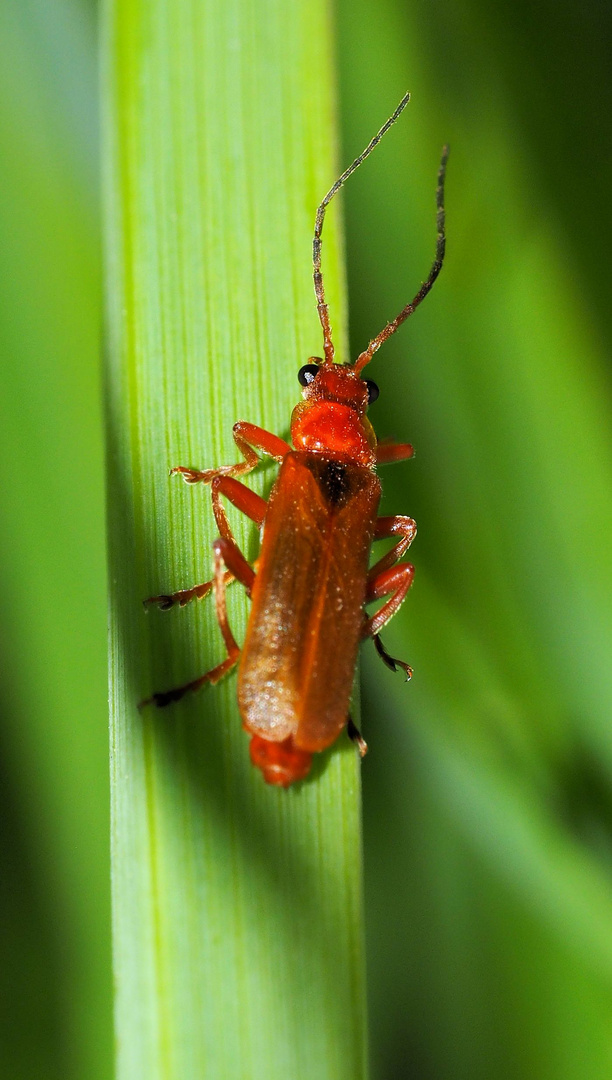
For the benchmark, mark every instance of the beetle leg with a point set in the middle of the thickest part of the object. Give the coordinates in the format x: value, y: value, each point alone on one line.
x: 240, y: 496
x: 249, y: 439
x: 226, y: 551
x: 185, y: 596
x: 250, y: 503
x: 393, y: 582
x: 388, y: 451
x: 391, y: 661
x: 386, y: 579
x: 355, y: 736
x: 386, y: 527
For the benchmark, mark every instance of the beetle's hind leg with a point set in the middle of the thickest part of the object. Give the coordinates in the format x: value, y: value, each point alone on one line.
x: 226, y: 552
x: 356, y: 737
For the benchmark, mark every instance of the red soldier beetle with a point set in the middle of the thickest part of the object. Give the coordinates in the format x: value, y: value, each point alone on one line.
x: 312, y: 580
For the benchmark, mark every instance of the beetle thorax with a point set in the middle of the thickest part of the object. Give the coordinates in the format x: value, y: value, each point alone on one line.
x: 332, y: 417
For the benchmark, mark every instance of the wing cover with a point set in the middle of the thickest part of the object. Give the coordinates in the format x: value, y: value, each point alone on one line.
x: 296, y: 670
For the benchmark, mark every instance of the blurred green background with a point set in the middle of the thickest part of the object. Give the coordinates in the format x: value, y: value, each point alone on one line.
x: 488, y: 788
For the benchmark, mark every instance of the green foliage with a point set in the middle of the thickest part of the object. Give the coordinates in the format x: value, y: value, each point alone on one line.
x: 488, y: 809
x: 55, y: 978
x: 500, y: 919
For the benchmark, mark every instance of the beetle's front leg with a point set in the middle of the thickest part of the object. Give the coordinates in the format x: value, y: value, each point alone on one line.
x: 388, y: 450
x: 249, y: 439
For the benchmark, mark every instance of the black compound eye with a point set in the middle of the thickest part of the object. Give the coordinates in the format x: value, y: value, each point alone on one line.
x: 373, y: 391
x: 307, y: 373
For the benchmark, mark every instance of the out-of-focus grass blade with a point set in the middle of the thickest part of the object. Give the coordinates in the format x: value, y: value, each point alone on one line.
x: 237, y: 908
x: 491, y: 913
x: 55, y: 981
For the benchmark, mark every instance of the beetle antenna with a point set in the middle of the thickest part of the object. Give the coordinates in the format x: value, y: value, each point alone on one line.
x: 316, y: 244
x: 365, y: 357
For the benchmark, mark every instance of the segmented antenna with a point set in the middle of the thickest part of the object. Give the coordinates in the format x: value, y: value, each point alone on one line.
x: 365, y: 357
x: 328, y: 345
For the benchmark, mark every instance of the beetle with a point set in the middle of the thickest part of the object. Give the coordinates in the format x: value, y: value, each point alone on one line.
x: 311, y: 582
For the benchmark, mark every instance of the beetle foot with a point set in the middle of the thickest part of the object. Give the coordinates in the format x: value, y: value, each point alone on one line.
x: 391, y: 661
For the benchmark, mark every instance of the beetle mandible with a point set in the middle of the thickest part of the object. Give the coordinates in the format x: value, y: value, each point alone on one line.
x: 311, y: 581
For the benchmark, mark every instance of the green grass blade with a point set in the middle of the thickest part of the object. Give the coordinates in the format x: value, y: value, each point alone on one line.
x: 489, y: 818
x: 237, y: 908
x: 55, y: 977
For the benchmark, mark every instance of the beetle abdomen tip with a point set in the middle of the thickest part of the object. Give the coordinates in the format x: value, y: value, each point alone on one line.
x: 281, y: 763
